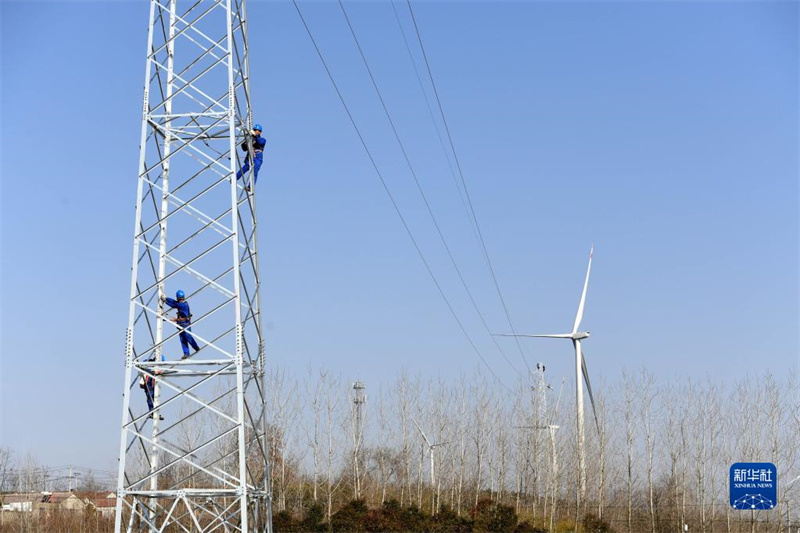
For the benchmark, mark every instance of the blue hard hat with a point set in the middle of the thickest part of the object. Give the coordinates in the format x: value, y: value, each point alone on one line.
x: 258, y: 127
x: 180, y: 294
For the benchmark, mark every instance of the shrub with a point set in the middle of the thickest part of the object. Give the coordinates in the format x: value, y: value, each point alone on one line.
x: 313, y: 521
x: 350, y: 518
x: 527, y: 527
x: 565, y: 526
x: 447, y: 521
x: 593, y: 524
x: 491, y: 517
x: 282, y: 522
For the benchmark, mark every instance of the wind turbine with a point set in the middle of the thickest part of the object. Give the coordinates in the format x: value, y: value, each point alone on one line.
x: 581, y: 374
x: 431, y: 447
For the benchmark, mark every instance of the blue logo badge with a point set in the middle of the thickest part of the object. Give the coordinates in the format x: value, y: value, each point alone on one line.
x: 754, y: 486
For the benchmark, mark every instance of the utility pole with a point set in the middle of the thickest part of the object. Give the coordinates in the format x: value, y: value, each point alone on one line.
x: 541, y: 420
x: 195, y: 114
x: 359, y: 399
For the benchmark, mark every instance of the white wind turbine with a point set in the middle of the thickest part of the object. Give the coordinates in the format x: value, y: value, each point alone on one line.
x: 431, y: 447
x: 581, y: 374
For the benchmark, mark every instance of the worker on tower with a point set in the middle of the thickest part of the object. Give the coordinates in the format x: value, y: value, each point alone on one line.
x: 256, y: 143
x: 184, y: 321
x: 148, y: 384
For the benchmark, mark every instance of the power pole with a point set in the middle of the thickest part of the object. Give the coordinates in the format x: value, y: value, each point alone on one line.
x: 541, y: 420
x: 359, y: 399
x: 196, y: 461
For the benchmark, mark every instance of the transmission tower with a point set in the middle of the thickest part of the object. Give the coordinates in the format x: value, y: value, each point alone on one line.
x: 359, y: 399
x: 196, y: 461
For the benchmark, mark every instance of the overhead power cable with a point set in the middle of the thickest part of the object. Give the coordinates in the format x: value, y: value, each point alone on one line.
x: 419, y: 187
x: 464, y: 183
x: 433, y: 118
x: 391, y: 197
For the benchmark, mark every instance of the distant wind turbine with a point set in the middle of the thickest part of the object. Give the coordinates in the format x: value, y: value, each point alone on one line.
x: 581, y: 374
x: 431, y: 447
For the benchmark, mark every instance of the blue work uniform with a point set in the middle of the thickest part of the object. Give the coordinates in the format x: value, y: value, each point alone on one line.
x: 258, y: 144
x: 184, y: 320
x: 149, y: 386
x: 149, y: 391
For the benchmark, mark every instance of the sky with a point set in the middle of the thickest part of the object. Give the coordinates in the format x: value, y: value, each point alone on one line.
x: 663, y: 133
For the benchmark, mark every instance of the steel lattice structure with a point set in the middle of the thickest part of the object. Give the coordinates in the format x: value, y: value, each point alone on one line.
x: 204, y: 466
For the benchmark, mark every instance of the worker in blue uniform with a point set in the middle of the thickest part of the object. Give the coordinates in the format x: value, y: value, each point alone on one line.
x: 257, y: 143
x: 184, y: 321
x: 148, y: 383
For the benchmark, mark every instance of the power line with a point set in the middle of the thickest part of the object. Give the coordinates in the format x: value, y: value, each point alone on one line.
x: 389, y: 193
x: 433, y: 119
x: 419, y: 186
x: 464, y: 183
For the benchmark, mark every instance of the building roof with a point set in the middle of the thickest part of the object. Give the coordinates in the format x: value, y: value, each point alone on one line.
x: 57, y: 497
x: 18, y: 497
x: 103, y: 503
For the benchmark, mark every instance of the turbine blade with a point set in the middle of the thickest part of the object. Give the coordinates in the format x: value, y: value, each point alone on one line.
x: 579, y: 316
x: 421, y: 432
x: 551, y: 336
x: 589, y: 388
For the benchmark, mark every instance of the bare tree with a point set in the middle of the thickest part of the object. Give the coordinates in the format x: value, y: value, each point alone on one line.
x: 603, y: 439
x: 629, y: 393
x: 332, y: 406
x: 314, y: 391
x: 648, y: 394
x: 480, y: 419
x: 403, y: 405
x: 6, y: 468
x: 715, y: 431
x: 382, y: 453
x: 502, y: 448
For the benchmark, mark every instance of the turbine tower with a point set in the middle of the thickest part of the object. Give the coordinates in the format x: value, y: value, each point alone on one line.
x: 431, y: 448
x: 581, y: 374
x: 193, y: 447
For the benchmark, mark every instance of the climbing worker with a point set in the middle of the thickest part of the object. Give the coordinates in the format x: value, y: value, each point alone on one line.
x: 257, y: 143
x: 184, y: 321
x: 148, y: 384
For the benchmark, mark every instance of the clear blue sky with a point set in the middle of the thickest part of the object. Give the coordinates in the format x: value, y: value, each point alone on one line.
x: 666, y: 133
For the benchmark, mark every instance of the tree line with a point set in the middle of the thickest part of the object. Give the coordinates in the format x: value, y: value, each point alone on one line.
x: 491, y: 459
x: 658, y: 458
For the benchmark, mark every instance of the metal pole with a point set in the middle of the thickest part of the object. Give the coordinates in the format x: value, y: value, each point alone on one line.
x: 129, y: 355
x: 581, y: 440
x: 555, y: 475
x: 358, y: 401
x: 162, y: 257
x: 243, y: 487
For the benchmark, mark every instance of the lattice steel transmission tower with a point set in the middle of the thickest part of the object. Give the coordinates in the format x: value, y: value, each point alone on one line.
x: 359, y: 399
x: 198, y: 459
